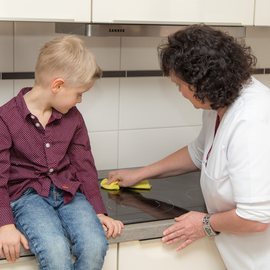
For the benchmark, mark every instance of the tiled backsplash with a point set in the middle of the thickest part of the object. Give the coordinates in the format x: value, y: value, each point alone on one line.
x: 132, y: 121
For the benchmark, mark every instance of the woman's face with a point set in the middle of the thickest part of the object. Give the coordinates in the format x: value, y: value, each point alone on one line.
x: 183, y: 87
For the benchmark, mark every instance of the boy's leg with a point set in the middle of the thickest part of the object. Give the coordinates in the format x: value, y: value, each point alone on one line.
x: 40, y: 224
x: 85, y: 231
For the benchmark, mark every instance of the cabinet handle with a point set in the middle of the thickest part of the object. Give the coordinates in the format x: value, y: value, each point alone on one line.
x: 152, y: 240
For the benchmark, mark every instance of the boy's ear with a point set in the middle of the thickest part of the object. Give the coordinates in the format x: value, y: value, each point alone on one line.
x: 57, y: 85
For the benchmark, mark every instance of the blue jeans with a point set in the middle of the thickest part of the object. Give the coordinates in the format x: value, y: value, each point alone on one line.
x: 47, y: 222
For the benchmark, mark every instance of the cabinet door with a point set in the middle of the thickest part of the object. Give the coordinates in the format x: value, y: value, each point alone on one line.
x: 153, y: 254
x: 49, y: 10
x: 28, y: 263
x: 110, y: 262
x: 262, y: 17
x: 235, y: 12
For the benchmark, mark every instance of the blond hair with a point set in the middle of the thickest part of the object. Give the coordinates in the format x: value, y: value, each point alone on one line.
x: 67, y: 57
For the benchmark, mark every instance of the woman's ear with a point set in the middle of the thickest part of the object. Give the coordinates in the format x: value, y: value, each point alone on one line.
x: 57, y: 85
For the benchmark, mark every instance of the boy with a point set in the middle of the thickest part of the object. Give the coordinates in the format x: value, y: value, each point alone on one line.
x: 48, y: 179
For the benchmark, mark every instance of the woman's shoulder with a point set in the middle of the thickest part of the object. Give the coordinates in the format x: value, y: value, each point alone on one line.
x: 255, y: 100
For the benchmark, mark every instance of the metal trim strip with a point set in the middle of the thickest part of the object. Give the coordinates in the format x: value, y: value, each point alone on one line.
x: 114, y: 74
x: 17, y: 75
x: 107, y: 74
x: 144, y: 73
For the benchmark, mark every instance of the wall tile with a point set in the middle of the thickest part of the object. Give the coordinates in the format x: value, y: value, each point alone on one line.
x: 104, y: 149
x: 139, y: 53
x: 29, y: 37
x: 99, y: 105
x: 106, y: 51
x: 6, y: 91
x: 142, y: 147
x: 19, y: 84
x: 259, y: 40
x: 264, y: 78
x: 6, y: 46
x: 154, y: 102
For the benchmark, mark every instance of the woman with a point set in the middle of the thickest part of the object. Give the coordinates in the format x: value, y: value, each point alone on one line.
x: 213, y: 71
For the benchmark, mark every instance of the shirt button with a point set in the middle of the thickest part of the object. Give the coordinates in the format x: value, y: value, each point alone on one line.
x: 50, y: 171
x: 32, y: 116
x: 48, y: 145
x: 37, y: 125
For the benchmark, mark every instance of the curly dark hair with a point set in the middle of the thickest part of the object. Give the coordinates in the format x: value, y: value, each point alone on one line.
x: 216, y: 64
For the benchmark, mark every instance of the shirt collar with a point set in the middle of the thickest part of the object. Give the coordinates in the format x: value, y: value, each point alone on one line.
x: 25, y: 112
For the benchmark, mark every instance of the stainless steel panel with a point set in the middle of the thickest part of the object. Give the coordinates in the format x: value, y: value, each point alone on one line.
x: 121, y: 30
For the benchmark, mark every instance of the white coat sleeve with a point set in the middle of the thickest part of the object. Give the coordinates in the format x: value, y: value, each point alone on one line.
x: 248, y: 166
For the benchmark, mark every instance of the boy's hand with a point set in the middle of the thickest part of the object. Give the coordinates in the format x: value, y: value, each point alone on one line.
x: 111, y: 226
x: 10, y: 242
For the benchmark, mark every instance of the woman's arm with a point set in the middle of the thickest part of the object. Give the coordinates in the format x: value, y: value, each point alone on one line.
x: 177, y: 163
x: 229, y: 222
x: 189, y: 227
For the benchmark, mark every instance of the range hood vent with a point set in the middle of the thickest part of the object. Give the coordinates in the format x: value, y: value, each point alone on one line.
x: 132, y: 30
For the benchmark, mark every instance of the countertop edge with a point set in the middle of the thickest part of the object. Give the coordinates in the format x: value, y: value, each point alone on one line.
x: 131, y: 232
x: 142, y: 231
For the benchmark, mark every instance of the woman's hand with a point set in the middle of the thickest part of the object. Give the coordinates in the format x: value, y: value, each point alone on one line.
x: 189, y: 227
x: 10, y: 242
x: 110, y: 225
x: 126, y: 178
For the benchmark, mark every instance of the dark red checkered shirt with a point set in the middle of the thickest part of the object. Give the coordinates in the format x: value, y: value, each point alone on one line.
x: 31, y: 156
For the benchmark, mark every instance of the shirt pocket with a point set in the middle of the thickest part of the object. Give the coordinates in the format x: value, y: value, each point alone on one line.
x: 217, y: 192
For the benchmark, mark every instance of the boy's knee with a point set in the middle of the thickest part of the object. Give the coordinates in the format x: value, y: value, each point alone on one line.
x: 96, y: 246
x: 57, y: 256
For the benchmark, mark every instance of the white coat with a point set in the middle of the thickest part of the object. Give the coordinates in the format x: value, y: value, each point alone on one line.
x: 237, y: 174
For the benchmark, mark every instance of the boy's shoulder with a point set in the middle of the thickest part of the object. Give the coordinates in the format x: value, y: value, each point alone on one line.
x: 16, y: 104
x: 8, y: 107
x: 74, y: 112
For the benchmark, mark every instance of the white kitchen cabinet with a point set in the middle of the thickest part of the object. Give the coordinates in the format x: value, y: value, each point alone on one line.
x: 111, y: 258
x: 28, y: 263
x: 235, y: 12
x: 153, y: 254
x: 49, y: 10
x: 262, y: 17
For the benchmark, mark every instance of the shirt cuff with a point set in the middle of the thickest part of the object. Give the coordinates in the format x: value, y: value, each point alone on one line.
x: 6, y: 215
x: 194, y: 155
x: 254, y: 211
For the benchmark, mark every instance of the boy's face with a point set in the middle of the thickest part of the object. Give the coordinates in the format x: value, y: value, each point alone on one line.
x: 69, y: 97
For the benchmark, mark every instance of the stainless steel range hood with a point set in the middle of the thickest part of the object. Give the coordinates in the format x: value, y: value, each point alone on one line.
x: 133, y: 30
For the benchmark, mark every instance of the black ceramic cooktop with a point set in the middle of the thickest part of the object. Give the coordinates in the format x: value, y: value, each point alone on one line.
x: 168, y: 198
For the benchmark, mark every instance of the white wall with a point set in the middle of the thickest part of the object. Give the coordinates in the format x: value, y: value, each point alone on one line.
x: 131, y: 121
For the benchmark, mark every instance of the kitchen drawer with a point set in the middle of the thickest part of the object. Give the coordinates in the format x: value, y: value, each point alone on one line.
x: 154, y: 254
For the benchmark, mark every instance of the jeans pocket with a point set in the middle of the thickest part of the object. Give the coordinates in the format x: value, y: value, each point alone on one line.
x: 26, y: 192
